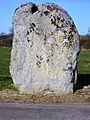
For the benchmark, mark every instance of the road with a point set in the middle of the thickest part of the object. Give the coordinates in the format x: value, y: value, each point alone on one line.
x: 16, y: 111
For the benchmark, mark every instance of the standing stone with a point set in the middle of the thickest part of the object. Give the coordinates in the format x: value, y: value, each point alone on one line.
x: 44, y: 49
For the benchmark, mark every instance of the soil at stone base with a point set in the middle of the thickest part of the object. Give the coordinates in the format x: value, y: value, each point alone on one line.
x: 80, y: 96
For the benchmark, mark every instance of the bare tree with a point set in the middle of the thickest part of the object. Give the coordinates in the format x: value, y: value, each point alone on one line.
x: 2, y: 34
x: 11, y: 30
x: 88, y: 31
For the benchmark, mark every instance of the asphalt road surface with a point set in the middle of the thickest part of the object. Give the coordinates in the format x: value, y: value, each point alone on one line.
x: 44, y: 111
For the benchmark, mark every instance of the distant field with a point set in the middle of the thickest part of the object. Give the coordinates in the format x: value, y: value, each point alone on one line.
x: 83, y: 62
x: 4, y: 62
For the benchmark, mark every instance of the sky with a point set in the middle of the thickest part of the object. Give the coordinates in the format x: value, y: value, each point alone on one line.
x: 79, y: 10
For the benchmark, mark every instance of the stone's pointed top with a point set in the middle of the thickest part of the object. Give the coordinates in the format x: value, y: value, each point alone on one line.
x: 49, y: 6
x: 29, y: 4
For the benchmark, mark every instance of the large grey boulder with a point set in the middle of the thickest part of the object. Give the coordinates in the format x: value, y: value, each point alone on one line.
x: 44, y: 49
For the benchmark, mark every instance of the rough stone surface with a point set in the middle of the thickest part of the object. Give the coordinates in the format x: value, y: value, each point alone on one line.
x: 44, y: 50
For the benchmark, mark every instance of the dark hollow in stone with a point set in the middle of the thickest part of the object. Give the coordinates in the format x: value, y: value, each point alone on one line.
x: 46, y: 12
x: 34, y: 9
x: 41, y: 14
x: 73, y: 27
x: 24, y: 5
x: 28, y: 39
x: 32, y: 44
x: 38, y: 64
x: 41, y: 58
x: 47, y: 60
x: 58, y: 17
x: 49, y: 8
x: 37, y: 56
x: 70, y: 37
x: 52, y: 7
x: 53, y: 21
x: 45, y: 40
x: 62, y: 20
x: 57, y: 27
x: 33, y: 24
x: 27, y: 32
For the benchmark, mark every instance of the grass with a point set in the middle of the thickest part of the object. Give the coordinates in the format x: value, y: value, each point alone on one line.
x: 84, y: 62
x: 7, y: 83
x: 4, y: 62
x: 5, y: 79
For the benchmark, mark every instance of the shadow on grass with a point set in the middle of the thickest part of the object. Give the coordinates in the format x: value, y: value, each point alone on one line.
x: 83, y: 80
x: 7, y: 83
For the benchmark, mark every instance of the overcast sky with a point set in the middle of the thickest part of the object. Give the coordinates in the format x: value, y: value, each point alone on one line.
x: 79, y: 10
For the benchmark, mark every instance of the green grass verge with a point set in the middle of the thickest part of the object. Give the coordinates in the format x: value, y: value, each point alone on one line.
x: 6, y: 81
x: 84, y: 62
x: 4, y: 62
